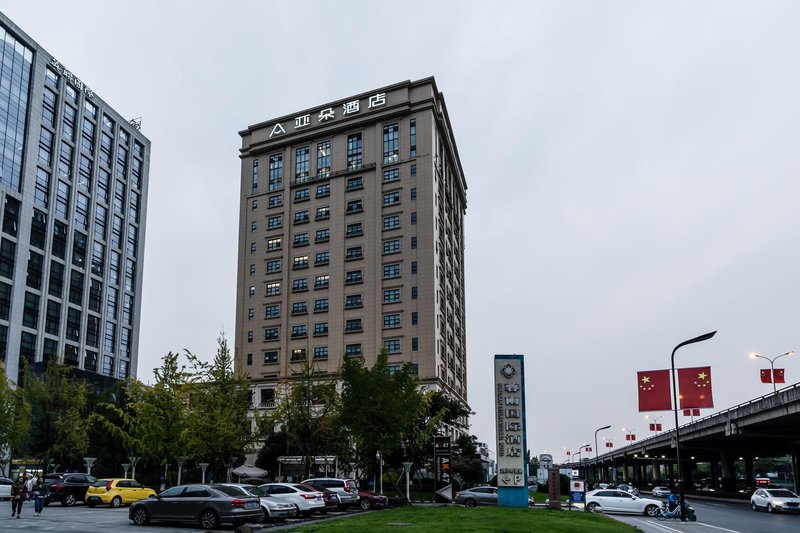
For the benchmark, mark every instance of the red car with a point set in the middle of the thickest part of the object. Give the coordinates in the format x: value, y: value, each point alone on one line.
x: 370, y: 500
x: 331, y: 499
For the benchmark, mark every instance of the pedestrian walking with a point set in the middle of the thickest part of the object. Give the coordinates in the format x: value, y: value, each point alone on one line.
x: 40, y: 492
x: 17, y: 496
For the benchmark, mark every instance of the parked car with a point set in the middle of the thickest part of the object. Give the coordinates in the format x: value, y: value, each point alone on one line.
x: 629, y: 488
x: 274, y: 509
x: 775, y: 500
x: 347, y: 489
x: 619, y: 501
x: 661, y: 492
x: 254, y: 481
x: 331, y: 499
x: 5, y: 488
x: 305, y: 498
x: 202, y: 504
x: 369, y: 500
x: 71, y: 488
x: 115, y: 492
x: 477, y: 496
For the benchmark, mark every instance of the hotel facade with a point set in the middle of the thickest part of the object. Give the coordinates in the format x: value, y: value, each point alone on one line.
x: 73, y: 193
x: 351, y: 239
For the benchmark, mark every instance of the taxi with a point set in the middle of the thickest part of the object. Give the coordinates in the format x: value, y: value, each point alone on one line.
x: 116, y: 492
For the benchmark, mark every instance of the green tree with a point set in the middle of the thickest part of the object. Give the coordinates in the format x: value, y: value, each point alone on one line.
x: 218, y: 427
x: 15, y: 412
x: 465, y: 459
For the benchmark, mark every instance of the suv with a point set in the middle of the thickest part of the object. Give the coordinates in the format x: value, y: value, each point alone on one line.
x: 71, y: 488
x: 347, y: 489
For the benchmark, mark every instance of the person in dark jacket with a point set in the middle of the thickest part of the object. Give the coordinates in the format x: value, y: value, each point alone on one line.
x: 40, y: 492
x: 17, y: 496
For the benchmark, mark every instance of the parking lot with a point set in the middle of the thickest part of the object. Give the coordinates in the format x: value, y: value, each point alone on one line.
x: 82, y: 519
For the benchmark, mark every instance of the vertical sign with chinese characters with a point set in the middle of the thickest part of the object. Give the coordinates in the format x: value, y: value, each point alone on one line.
x: 442, y: 486
x: 509, y: 382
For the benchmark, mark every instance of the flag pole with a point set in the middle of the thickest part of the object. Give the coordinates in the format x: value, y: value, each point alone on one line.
x: 675, y: 411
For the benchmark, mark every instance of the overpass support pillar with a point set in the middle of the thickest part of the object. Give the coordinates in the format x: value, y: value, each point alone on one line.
x: 656, y: 472
x: 795, y: 460
x: 670, y: 472
x: 714, y: 465
x: 624, y: 472
x: 748, y: 472
x: 728, y: 471
x: 687, y: 474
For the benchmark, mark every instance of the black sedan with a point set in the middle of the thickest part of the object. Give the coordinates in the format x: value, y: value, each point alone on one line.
x: 70, y: 488
x: 199, y: 504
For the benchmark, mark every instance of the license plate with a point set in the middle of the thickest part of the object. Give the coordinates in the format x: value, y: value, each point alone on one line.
x: 251, y: 505
x: 319, y: 498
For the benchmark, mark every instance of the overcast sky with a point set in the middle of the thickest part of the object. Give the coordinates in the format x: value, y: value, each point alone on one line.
x: 632, y: 171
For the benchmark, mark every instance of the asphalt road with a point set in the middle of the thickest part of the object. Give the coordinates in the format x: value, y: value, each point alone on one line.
x: 716, y: 517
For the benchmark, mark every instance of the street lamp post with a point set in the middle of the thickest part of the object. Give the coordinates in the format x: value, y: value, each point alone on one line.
x: 772, y: 365
x: 379, y: 457
x: 655, y: 421
x: 597, y: 464
x: 675, y: 411
x: 629, y: 432
x: 407, y: 467
x: 133, y: 461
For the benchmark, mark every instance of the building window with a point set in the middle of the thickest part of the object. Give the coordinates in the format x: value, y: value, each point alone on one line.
x: 414, y: 344
x: 320, y: 329
x: 391, y: 144
x: 253, y: 226
x: 41, y: 194
x: 62, y: 200
x: 391, y: 321
x: 354, y: 230
x: 276, y: 200
x: 354, y: 253
x: 299, y: 308
x: 354, y: 184
x: 321, y: 305
x: 352, y: 350
x: 301, y: 217
x: 299, y: 331
x: 323, y: 159
x: 249, y: 336
x: 321, y: 282
x: 413, y: 293
x: 413, y: 218
x: 320, y: 353
x: 253, y: 207
x: 249, y: 359
x: 273, y: 265
x: 299, y: 355
x: 323, y: 212
x: 300, y: 285
x: 391, y: 271
x: 272, y: 311
x: 300, y: 239
x: 254, y: 186
x: 323, y: 190
x: 392, y: 345
x: 274, y: 244
x: 251, y: 291
x: 413, y: 193
x: 30, y: 312
x: 275, y: 222
x: 354, y: 206
x: 275, y: 173
x: 302, y: 195
x: 271, y: 358
x: 353, y: 301
x: 8, y: 250
x: 52, y: 317
x: 390, y: 175
x: 413, y: 243
x: 354, y: 151
x: 391, y: 296
x: 413, y: 137
x: 273, y: 288
x: 45, y: 147
x: 391, y: 247
x: 353, y: 325
x: 322, y: 235
x: 413, y: 267
x: 391, y: 198
x: 271, y: 334
x: 391, y: 222
x: 252, y: 247
x: 353, y: 277
x: 322, y: 258
x: 38, y: 229
x: 414, y: 318
x: 413, y: 170
x: 301, y: 164
x: 300, y: 261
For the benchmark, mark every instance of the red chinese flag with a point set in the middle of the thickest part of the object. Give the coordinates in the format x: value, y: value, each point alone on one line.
x: 658, y: 427
x: 627, y: 437
x: 694, y: 385
x: 766, y: 376
x: 695, y: 412
x: 589, y: 450
x: 687, y: 412
x: 652, y: 427
x: 633, y: 436
x: 654, y: 390
x: 609, y: 444
x: 779, y: 377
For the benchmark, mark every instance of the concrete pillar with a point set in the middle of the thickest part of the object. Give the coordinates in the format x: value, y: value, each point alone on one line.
x: 624, y: 472
x: 728, y: 471
x: 748, y: 472
x: 795, y: 460
x: 687, y: 477
x: 656, y: 472
x: 714, y: 475
x: 670, y: 472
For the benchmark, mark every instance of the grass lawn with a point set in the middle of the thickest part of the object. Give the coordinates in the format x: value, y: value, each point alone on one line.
x: 450, y: 518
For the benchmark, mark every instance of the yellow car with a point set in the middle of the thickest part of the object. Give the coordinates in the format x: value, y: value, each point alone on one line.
x: 115, y: 492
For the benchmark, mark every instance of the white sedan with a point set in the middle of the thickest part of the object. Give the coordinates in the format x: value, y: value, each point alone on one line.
x: 775, y: 500
x: 661, y: 492
x: 619, y: 501
x: 304, y: 497
x: 5, y: 488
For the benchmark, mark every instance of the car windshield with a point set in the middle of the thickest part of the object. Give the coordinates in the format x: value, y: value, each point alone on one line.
x: 257, y: 491
x: 782, y: 494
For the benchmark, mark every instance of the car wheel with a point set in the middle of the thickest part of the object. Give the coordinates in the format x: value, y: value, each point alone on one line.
x: 754, y: 506
x: 365, y: 504
x: 116, y: 501
x: 264, y: 515
x: 469, y: 502
x: 140, y: 516
x: 770, y: 509
x: 208, y: 519
x: 593, y: 507
x: 69, y: 500
x: 650, y: 510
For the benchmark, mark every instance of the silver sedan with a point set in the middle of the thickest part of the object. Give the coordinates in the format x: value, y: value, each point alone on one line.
x: 274, y: 509
x: 477, y: 496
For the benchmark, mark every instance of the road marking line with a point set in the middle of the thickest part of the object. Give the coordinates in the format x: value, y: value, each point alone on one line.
x: 657, y: 525
x: 717, y: 527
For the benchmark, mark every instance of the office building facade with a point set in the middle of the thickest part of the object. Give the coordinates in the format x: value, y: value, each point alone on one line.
x: 351, y: 239
x: 73, y: 193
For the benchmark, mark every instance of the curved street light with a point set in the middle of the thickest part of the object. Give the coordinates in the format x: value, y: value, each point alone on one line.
x: 655, y: 421
x: 700, y: 338
x: 772, y: 365
x: 596, y: 464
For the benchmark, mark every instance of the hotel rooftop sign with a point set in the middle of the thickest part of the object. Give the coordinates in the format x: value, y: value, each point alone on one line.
x: 328, y: 114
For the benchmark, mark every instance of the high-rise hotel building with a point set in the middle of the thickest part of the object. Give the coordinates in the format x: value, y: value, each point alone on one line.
x: 351, y: 238
x: 73, y: 194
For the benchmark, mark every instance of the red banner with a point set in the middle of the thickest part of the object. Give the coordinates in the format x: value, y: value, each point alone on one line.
x: 694, y: 385
x: 691, y: 412
x: 609, y: 444
x: 766, y: 375
x: 654, y: 390
x: 779, y: 377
